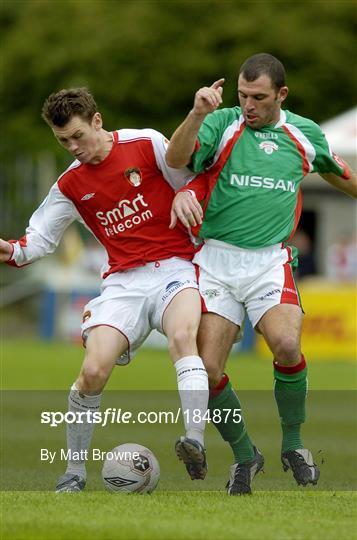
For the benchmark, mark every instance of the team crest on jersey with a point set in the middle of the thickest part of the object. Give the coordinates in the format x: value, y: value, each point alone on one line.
x: 268, y: 146
x: 134, y: 176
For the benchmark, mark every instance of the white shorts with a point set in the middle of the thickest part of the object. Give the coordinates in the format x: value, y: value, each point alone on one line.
x: 233, y: 280
x: 134, y: 301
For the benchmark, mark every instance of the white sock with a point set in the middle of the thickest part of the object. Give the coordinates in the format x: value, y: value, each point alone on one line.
x: 192, y: 381
x: 79, y: 435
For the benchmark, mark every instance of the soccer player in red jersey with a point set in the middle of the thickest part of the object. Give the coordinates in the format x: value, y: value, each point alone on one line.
x: 120, y: 188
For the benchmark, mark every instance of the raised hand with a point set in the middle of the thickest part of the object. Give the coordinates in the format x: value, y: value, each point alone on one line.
x: 208, y: 99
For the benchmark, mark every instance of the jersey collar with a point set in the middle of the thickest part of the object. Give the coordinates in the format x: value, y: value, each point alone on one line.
x: 282, y: 119
x: 281, y: 122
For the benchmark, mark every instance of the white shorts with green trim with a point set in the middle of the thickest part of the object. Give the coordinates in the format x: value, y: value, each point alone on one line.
x: 134, y: 301
x: 234, y: 280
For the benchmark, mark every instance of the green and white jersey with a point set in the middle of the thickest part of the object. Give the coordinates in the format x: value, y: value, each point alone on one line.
x: 251, y: 179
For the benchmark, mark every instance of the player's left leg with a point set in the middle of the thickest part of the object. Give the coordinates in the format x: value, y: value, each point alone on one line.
x: 103, y: 346
x: 222, y: 317
x: 180, y: 324
x: 281, y: 328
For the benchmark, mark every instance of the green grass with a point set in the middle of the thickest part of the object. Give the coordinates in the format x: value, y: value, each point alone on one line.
x: 40, y: 365
x: 37, y: 376
x: 184, y: 516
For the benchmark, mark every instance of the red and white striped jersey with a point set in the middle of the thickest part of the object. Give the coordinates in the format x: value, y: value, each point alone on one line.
x: 125, y: 201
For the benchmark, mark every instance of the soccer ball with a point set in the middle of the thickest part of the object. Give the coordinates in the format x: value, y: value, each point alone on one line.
x: 131, y: 468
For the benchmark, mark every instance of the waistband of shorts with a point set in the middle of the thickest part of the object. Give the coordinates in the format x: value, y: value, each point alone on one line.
x: 165, y: 263
x: 172, y: 262
x: 230, y: 247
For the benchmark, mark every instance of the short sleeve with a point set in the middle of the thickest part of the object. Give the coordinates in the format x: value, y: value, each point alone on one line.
x: 210, y: 136
x: 177, y: 178
x: 207, y: 143
x: 326, y: 161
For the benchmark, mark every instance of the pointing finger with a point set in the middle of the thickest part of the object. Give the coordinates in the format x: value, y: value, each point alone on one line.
x: 218, y: 84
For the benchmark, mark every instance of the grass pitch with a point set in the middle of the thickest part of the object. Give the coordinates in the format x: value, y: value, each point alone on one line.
x: 179, y: 516
x: 178, y: 509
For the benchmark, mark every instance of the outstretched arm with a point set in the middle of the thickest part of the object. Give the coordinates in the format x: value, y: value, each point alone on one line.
x: 347, y: 185
x: 183, y: 141
x: 44, y: 232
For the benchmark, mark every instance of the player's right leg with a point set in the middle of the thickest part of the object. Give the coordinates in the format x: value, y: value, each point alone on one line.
x: 103, y: 346
x: 180, y: 324
x: 216, y: 336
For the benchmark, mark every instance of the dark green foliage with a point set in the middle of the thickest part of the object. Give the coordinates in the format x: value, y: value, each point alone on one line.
x: 144, y: 60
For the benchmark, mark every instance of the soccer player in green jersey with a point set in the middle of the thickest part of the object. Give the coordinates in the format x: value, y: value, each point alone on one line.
x: 245, y: 204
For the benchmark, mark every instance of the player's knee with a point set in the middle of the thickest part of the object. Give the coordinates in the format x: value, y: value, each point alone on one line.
x: 214, y: 373
x: 92, y: 379
x: 182, y: 340
x: 287, y: 350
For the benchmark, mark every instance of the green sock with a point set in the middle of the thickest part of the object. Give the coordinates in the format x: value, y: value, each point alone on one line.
x: 234, y: 433
x: 290, y: 395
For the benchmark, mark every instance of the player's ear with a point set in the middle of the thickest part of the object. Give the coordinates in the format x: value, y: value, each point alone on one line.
x: 283, y: 93
x: 97, y: 121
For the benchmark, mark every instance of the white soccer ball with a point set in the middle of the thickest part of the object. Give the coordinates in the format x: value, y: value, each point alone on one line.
x: 131, y: 468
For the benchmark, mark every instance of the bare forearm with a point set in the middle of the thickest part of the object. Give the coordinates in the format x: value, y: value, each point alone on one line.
x: 183, y: 141
x: 347, y: 185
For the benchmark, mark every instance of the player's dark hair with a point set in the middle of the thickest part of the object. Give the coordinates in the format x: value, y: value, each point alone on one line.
x: 59, y: 108
x: 264, y: 64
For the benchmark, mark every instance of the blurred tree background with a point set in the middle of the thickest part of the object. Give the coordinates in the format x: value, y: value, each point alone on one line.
x: 143, y: 61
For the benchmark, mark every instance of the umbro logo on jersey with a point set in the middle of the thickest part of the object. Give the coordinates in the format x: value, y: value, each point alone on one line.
x: 134, y: 176
x: 268, y: 146
x: 87, y: 196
